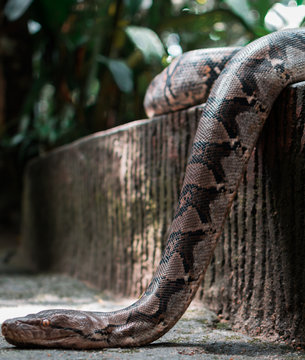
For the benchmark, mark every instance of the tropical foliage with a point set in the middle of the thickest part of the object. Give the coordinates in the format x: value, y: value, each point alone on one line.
x: 92, y: 60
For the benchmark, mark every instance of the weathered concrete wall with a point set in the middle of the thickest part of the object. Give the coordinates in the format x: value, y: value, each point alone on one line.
x: 101, y: 207
x: 258, y: 273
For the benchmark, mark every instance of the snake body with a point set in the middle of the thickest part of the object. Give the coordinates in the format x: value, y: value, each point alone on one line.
x: 232, y: 119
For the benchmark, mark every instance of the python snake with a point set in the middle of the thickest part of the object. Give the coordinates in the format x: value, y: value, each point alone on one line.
x: 232, y: 119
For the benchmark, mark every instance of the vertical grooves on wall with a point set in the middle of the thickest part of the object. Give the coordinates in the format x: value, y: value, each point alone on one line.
x: 235, y: 255
x: 155, y: 169
x: 242, y: 243
x: 100, y: 209
x: 251, y: 253
x: 262, y: 245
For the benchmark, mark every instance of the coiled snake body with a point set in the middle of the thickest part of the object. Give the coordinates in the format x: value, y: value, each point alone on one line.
x: 232, y: 119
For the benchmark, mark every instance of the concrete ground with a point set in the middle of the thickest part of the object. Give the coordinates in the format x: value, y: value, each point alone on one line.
x: 198, y: 335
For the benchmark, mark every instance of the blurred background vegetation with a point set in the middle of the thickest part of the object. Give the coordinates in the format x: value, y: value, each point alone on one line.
x: 72, y: 67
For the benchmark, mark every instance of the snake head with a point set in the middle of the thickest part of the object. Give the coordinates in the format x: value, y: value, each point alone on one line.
x: 58, y: 328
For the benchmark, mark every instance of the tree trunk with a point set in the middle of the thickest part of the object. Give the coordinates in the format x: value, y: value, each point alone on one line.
x: 100, y: 209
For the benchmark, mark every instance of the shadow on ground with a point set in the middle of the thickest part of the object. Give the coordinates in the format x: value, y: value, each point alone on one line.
x: 198, y: 334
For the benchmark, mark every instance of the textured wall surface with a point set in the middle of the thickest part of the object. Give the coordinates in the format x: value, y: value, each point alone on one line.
x: 101, y: 207
x: 258, y: 275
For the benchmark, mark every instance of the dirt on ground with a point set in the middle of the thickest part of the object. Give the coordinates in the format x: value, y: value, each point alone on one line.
x: 200, y: 334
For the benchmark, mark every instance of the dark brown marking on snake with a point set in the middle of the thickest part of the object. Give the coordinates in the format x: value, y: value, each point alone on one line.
x: 201, y: 154
x: 192, y: 195
x: 186, y: 242
x: 231, y: 122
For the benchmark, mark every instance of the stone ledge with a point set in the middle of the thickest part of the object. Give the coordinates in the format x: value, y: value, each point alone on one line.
x: 100, y: 209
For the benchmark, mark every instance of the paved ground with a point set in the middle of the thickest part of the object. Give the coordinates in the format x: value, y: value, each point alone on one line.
x: 198, y: 335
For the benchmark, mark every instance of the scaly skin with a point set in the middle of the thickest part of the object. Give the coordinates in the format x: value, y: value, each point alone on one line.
x: 232, y: 120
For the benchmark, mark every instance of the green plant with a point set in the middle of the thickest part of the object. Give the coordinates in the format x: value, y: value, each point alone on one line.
x: 92, y: 60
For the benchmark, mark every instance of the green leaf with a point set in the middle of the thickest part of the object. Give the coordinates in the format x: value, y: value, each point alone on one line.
x: 17, y: 139
x: 281, y: 16
x: 263, y: 6
x: 121, y: 73
x: 147, y: 41
x: 242, y: 9
x: 14, y: 9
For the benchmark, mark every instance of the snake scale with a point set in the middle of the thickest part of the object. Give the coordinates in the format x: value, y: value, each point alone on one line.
x: 248, y: 82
